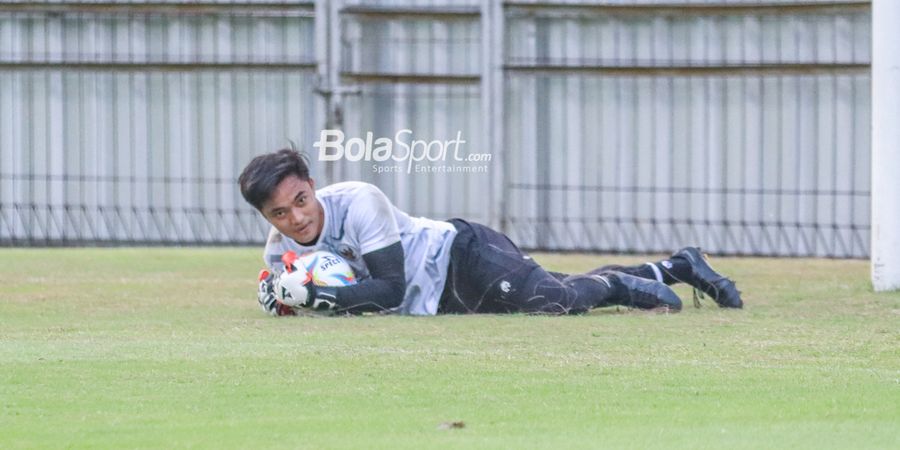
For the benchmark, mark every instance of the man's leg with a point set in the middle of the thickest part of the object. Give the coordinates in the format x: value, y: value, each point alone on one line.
x: 686, y: 266
x: 489, y: 274
x: 558, y: 275
x: 668, y: 271
x: 575, y: 294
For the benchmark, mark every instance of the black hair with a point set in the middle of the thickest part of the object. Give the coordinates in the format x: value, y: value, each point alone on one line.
x: 262, y: 175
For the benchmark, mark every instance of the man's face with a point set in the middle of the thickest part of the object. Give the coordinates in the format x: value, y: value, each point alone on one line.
x: 294, y: 210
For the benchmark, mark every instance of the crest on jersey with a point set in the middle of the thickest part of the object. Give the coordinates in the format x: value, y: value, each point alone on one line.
x: 346, y: 251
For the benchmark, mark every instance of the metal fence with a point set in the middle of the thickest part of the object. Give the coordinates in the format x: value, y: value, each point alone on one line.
x: 745, y: 129
x: 128, y: 124
x: 628, y: 126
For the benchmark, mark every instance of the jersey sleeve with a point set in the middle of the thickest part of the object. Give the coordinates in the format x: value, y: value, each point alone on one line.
x: 383, y: 291
x: 371, y: 215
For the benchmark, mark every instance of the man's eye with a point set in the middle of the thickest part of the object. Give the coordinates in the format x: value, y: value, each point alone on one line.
x: 279, y: 214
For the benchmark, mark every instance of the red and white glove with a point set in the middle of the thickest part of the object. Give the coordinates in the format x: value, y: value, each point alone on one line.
x: 266, y: 297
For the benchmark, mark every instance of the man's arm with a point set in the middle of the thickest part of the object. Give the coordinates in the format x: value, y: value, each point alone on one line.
x: 384, y: 290
x: 371, y: 220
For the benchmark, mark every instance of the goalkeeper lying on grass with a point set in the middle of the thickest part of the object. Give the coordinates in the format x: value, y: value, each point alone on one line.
x: 413, y: 265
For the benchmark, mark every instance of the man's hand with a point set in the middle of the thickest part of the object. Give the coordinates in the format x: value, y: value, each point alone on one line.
x: 266, y: 296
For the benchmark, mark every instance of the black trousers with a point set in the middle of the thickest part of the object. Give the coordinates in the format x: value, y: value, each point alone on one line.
x: 489, y: 274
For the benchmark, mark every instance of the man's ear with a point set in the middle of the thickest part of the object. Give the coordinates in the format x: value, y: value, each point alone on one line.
x: 312, y: 184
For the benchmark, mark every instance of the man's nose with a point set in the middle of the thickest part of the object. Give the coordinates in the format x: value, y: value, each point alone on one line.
x: 296, y: 215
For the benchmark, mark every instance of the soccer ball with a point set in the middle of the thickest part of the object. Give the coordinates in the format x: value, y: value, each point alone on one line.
x: 320, y: 267
x: 325, y: 268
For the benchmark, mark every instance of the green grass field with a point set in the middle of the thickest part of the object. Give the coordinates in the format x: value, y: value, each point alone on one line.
x: 111, y: 348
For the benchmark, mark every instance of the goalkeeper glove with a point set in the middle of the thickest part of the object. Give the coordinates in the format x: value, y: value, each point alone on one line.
x: 295, y: 288
x: 266, y: 296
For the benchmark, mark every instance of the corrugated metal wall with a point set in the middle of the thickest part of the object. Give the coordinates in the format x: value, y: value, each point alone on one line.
x: 743, y: 130
x: 130, y: 124
x: 626, y: 125
x: 417, y: 69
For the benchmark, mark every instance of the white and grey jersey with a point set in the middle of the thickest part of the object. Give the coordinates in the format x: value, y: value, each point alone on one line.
x: 360, y: 219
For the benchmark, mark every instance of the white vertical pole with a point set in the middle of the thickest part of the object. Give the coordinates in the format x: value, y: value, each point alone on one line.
x: 885, y: 145
x: 492, y: 96
x: 328, y: 61
x: 322, y: 32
